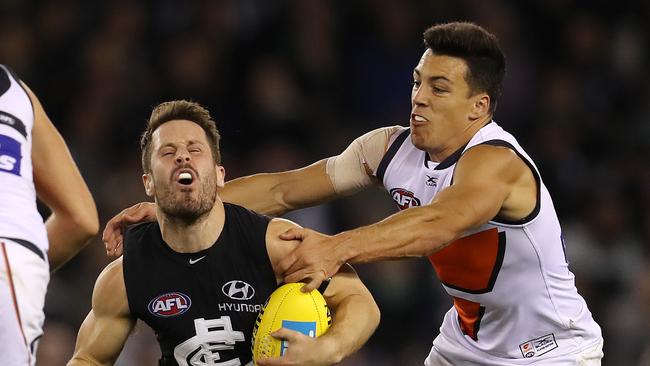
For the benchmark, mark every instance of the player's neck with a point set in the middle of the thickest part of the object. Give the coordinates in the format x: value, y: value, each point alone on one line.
x: 193, y: 237
x: 459, y: 141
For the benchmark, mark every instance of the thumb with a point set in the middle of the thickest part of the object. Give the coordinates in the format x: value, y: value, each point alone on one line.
x: 293, y: 234
x: 286, y: 334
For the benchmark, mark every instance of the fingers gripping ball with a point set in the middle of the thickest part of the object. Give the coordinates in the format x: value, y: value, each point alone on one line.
x: 289, y: 308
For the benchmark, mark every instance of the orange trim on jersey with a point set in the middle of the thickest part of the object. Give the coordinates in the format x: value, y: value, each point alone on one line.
x: 471, y: 264
x: 469, y: 316
x: 15, y: 300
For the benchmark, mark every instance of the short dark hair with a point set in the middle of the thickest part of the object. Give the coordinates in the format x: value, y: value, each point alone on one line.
x: 179, y: 110
x: 479, y: 48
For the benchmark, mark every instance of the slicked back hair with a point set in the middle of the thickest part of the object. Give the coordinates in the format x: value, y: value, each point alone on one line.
x: 479, y: 48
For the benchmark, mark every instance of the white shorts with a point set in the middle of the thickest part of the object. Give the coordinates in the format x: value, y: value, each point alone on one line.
x: 456, y: 356
x: 24, y: 276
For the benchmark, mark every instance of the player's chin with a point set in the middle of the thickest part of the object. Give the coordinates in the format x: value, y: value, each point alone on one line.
x: 418, y: 140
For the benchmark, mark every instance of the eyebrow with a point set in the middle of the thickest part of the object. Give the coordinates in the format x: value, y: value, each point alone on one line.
x: 174, y: 145
x: 434, y: 78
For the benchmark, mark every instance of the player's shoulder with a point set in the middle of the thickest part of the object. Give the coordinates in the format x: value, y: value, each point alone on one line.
x: 140, y: 231
x: 382, y: 134
x: 279, y: 225
x: 489, y: 162
x: 109, y: 294
x: 244, y: 216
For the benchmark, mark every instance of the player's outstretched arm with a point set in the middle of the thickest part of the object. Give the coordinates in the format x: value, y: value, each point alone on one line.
x: 340, y: 175
x: 488, y: 180
x: 277, y: 193
x: 106, y: 328
x: 355, y: 313
x: 60, y: 186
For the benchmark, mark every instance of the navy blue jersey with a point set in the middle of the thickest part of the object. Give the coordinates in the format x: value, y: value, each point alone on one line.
x: 201, y: 305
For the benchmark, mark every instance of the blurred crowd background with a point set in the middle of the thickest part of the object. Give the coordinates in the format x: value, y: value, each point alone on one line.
x: 291, y: 82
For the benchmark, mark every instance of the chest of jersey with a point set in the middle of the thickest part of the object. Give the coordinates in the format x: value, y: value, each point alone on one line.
x: 206, y: 313
x: 202, y: 306
x: 415, y: 182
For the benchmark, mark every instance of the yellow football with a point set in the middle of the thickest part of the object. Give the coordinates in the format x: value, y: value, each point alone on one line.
x: 289, y: 308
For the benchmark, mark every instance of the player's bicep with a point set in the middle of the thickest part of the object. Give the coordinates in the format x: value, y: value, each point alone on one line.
x: 101, y: 339
x: 106, y: 328
x: 306, y: 186
x: 354, y: 169
x: 482, y: 181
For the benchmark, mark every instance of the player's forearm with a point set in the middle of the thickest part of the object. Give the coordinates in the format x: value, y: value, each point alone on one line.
x: 260, y: 193
x: 354, y: 321
x: 67, y: 236
x: 414, y: 232
x: 278, y: 193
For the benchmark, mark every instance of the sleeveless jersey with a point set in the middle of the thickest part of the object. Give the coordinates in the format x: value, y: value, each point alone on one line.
x: 202, y: 306
x: 513, y: 294
x: 19, y: 216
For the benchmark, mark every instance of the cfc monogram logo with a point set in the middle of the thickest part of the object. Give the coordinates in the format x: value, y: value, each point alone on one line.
x: 210, y: 346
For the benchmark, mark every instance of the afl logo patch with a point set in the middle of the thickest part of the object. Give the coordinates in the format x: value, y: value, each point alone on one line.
x: 238, y: 290
x: 169, y: 304
x: 404, y: 198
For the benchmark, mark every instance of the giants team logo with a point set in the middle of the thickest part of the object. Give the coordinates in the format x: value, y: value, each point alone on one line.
x: 170, y: 304
x: 404, y: 198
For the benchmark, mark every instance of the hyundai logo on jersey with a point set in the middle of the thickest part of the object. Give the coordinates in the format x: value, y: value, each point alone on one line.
x: 170, y: 304
x: 10, y: 155
x: 306, y: 328
x: 404, y: 198
x: 238, y: 290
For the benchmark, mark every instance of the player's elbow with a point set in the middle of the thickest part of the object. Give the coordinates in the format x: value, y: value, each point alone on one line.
x: 89, y: 224
x: 282, y: 203
x: 374, y: 316
x: 85, y: 222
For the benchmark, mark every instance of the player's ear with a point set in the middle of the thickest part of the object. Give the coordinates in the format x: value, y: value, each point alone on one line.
x: 149, y: 188
x: 221, y: 176
x: 480, y: 107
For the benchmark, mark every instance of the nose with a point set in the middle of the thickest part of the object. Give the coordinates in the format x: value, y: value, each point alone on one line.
x: 419, y: 96
x: 182, y: 156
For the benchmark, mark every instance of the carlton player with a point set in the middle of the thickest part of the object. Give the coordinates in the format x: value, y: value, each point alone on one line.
x: 201, y: 273
x: 472, y: 201
x: 34, y: 160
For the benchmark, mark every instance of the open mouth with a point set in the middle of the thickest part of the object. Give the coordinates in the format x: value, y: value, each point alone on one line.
x: 418, y: 118
x: 185, y: 178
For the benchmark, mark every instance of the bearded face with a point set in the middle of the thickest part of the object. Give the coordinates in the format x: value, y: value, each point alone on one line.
x: 186, y: 202
x: 184, y: 177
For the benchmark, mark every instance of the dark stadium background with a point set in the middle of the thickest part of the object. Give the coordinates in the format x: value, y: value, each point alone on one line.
x: 290, y: 82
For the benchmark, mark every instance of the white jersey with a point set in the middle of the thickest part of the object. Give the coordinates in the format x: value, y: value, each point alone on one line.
x: 19, y: 217
x: 515, y: 300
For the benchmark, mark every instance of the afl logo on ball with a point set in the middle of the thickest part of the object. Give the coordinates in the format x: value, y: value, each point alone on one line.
x: 238, y: 290
x: 170, y: 304
x: 404, y: 198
